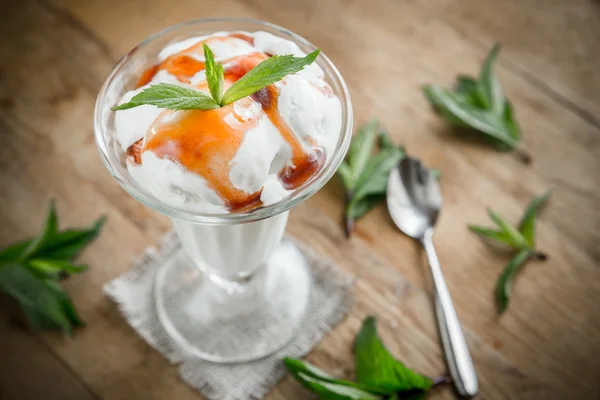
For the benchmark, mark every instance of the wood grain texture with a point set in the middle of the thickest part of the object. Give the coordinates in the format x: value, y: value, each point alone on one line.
x: 56, y: 55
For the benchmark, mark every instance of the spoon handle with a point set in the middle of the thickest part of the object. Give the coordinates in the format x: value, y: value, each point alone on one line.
x: 457, y: 354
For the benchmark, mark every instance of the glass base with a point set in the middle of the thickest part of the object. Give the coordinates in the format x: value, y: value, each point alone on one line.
x: 225, y: 321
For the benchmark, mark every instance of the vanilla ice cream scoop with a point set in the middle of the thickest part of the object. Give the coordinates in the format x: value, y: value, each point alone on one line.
x: 252, y: 152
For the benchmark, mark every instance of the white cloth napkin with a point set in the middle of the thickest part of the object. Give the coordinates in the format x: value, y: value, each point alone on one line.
x: 132, y: 291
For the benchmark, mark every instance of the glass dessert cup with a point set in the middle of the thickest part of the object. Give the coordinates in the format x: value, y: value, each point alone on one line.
x: 236, y: 291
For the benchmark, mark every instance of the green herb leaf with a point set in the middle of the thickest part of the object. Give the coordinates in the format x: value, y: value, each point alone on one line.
x: 460, y: 110
x: 361, y: 148
x: 373, y: 179
x: 29, y: 270
x: 490, y: 86
x: 522, y: 240
x: 345, y: 173
x: 504, y: 284
x: 357, y: 209
x: 479, y: 104
x: 267, y: 72
x: 466, y: 84
x: 173, y: 97
x: 64, y: 245
x: 376, y: 367
x: 296, y: 367
x: 365, y: 175
x: 509, y: 122
x: 55, y: 269
x: 468, y: 88
x: 49, y: 229
x: 66, y: 303
x: 334, y: 391
x: 40, y: 303
x: 516, y: 239
x: 527, y: 224
x: 386, y: 143
x: 491, y: 234
x: 214, y: 74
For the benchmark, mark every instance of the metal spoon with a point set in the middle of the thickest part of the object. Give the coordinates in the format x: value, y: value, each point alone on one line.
x: 414, y: 201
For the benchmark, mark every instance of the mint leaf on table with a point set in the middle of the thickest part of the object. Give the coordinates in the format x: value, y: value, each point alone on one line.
x: 521, y: 240
x: 364, y: 174
x: 327, y: 386
x: 176, y: 97
x: 479, y: 104
x: 43, y: 308
x: 527, y: 224
x: 378, y: 375
x: 63, y: 245
x: 48, y: 230
x: 30, y: 271
x: 376, y: 367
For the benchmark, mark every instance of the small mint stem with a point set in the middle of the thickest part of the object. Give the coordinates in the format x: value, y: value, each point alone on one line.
x: 441, y: 380
x: 348, y: 222
x: 538, y: 256
x: 523, y: 155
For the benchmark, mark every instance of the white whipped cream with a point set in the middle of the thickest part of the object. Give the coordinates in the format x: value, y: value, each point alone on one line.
x: 312, y: 116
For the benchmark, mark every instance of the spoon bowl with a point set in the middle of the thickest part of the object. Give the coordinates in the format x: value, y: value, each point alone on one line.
x: 414, y: 198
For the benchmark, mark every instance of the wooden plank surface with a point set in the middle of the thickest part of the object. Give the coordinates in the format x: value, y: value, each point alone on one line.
x: 57, y: 53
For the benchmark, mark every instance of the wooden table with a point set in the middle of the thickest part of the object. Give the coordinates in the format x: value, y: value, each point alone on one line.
x: 56, y: 54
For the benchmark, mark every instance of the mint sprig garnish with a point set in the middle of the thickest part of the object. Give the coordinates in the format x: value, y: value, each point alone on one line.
x: 175, y: 97
x: 521, y: 239
x: 365, y: 173
x: 479, y: 105
x: 30, y: 271
x: 379, y: 376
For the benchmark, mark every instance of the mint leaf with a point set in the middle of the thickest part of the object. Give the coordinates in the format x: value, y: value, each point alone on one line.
x: 490, y: 86
x: 365, y: 175
x: 386, y: 143
x: 527, y: 224
x: 516, y: 239
x: 376, y: 367
x: 49, y: 229
x: 214, y: 74
x: 479, y: 104
x: 297, y: 367
x: 66, y: 303
x: 29, y: 270
x: 334, y: 391
x: 40, y: 302
x: 504, y: 284
x: 64, y: 245
x: 522, y: 240
x: 361, y: 148
x: 357, y: 209
x: 345, y: 173
x: 54, y: 269
x: 267, y: 72
x: 374, y: 177
x: 460, y: 110
x: 173, y: 97
x: 509, y: 122
x: 491, y: 234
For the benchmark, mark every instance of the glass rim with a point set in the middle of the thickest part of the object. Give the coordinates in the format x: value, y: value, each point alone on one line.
x: 306, y: 190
